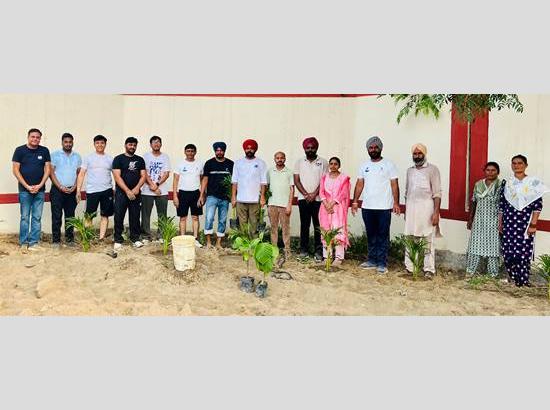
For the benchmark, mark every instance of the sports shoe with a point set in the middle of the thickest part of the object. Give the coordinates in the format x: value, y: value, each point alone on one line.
x: 303, y: 255
x: 56, y: 245
x: 145, y: 241
x: 198, y: 244
x: 381, y: 270
x: 317, y: 258
x: 34, y: 248
x: 24, y: 248
x: 117, y: 246
x: 137, y: 244
x: 367, y: 265
x: 70, y: 244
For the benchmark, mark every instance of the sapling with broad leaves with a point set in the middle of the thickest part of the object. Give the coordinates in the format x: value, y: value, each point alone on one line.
x: 265, y: 256
x: 84, y: 229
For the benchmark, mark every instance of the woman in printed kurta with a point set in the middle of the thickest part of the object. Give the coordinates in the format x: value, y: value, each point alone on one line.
x: 520, y: 207
x: 483, y: 222
x: 334, y: 192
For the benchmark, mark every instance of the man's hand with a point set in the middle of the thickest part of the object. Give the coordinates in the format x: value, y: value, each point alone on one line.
x: 469, y: 225
x: 136, y: 191
x: 200, y: 202
x: 153, y: 187
x: 262, y: 201
x: 396, y: 209
x: 310, y: 197
x: 288, y: 210
x: 33, y: 189
x: 130, y: 194
x: 354, y: 207
x: 435, y: 219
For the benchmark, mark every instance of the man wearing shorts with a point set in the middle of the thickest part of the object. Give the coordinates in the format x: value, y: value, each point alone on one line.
x: 187, y: 183
x: 99, y: 185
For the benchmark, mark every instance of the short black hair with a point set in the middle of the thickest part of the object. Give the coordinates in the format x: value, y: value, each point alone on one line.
x: 337, y: 160
x: 492, y: 164
x: 154, y: 138
x: 34, y: 130
x: 66, y: 135
x: 522, y: 157
x: 190, y: 146
x: 131, y: 140
x: 100, y: 138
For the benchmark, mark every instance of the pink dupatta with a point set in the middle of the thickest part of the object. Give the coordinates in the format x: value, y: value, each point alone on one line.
x: 340, y: 193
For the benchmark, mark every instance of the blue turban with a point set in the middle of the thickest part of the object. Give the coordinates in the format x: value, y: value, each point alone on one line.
x: 221, y: 145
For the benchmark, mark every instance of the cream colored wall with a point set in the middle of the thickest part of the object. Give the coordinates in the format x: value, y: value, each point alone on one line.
x: 342, y: 126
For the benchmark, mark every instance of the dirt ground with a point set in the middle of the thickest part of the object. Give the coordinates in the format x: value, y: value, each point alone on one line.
x: 68, y: 282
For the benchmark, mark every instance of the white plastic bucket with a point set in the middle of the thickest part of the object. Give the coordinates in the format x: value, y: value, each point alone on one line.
x: 183, y: 249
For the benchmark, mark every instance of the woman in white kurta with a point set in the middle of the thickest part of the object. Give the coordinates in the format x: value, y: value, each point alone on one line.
x: 422, y: 201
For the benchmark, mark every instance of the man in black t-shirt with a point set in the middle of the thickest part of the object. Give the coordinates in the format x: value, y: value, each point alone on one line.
x: 31, y: 167
x: 129, y: 173
x: 216, y: 192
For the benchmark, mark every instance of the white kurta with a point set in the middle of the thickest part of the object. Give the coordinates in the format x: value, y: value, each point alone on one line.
x: 422, y: 186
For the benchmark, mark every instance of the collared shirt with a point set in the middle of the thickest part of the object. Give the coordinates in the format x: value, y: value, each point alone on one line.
x: 66, y: 166
x: 280, y: 182
x: 310, y: 174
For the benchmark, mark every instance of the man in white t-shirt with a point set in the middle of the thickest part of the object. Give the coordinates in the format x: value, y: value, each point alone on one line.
x: 99, y: 184
x: 155, y: 189
x: 249, y: 181
x: 186, y: 188
x: 377, y: 180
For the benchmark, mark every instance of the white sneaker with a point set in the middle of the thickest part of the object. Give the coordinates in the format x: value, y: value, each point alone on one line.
x: 198, y: 244
x: 137, y: 244
x: 117, y: 246
x: 146, y: 241
x: 34, y: 248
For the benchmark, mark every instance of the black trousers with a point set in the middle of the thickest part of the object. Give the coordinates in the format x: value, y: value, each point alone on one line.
x: 122, y: 203
x: 62, y: 203
x: 309, y: 211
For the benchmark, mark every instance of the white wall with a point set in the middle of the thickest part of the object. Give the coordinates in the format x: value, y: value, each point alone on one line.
x: 342, y: 126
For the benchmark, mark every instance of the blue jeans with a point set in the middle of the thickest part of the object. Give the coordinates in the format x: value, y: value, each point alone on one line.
x: 31, y: 214
x: 377, y: 224
x: 222, y: 205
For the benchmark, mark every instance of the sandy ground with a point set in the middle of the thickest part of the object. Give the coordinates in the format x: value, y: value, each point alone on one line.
x: 144, y: 282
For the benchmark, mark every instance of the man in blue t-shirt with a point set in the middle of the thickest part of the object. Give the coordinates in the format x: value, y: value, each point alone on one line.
x: 64, y: 172
x: 31, y: 167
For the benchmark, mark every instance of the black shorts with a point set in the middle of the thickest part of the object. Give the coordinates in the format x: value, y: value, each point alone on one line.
x: 188, y: 199
x: 103, y: 198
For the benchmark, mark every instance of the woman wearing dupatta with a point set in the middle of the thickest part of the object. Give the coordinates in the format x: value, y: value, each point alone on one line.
x: 334, y: 192
x: 520, y: 207
x: 483, y: 222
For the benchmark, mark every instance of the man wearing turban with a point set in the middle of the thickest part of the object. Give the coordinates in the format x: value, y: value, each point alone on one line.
x: 249, y: 183
x: 216, y: 193
x: 422, y: 200
x: 377, y: 180
x: 307, y: 178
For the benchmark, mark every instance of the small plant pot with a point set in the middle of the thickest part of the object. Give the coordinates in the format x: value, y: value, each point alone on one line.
x: 247, y: 284
x: 261, y: 227
x: 233, y: 223
x: 261, y: 289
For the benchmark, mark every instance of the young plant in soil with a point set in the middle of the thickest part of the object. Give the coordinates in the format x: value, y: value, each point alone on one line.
x: 265, y: 256
x: 544, y: 269
x: 84, y: 229
x: 168, y: 230
x: 243, y: 242
x: 415, y: 249
x: 329, y: 236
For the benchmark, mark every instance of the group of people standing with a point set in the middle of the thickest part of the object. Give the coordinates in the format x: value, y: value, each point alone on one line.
x: 503, y: 217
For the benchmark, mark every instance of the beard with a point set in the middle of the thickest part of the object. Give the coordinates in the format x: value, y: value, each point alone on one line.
x: 250, y: 154
x: 375, y: 154
x: 419, y: 161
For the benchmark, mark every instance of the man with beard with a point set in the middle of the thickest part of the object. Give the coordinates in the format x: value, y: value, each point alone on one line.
x: 423, y: 200
x: 377, y: 180
x: 249, y: 182
x: 214, y: 193
x: 155, y: 189
x: 307, y: 178
x: 64, y: 173
x: 129, y: 173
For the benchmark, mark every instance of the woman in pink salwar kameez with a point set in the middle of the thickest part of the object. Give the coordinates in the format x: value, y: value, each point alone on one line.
x: 334, y: 191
